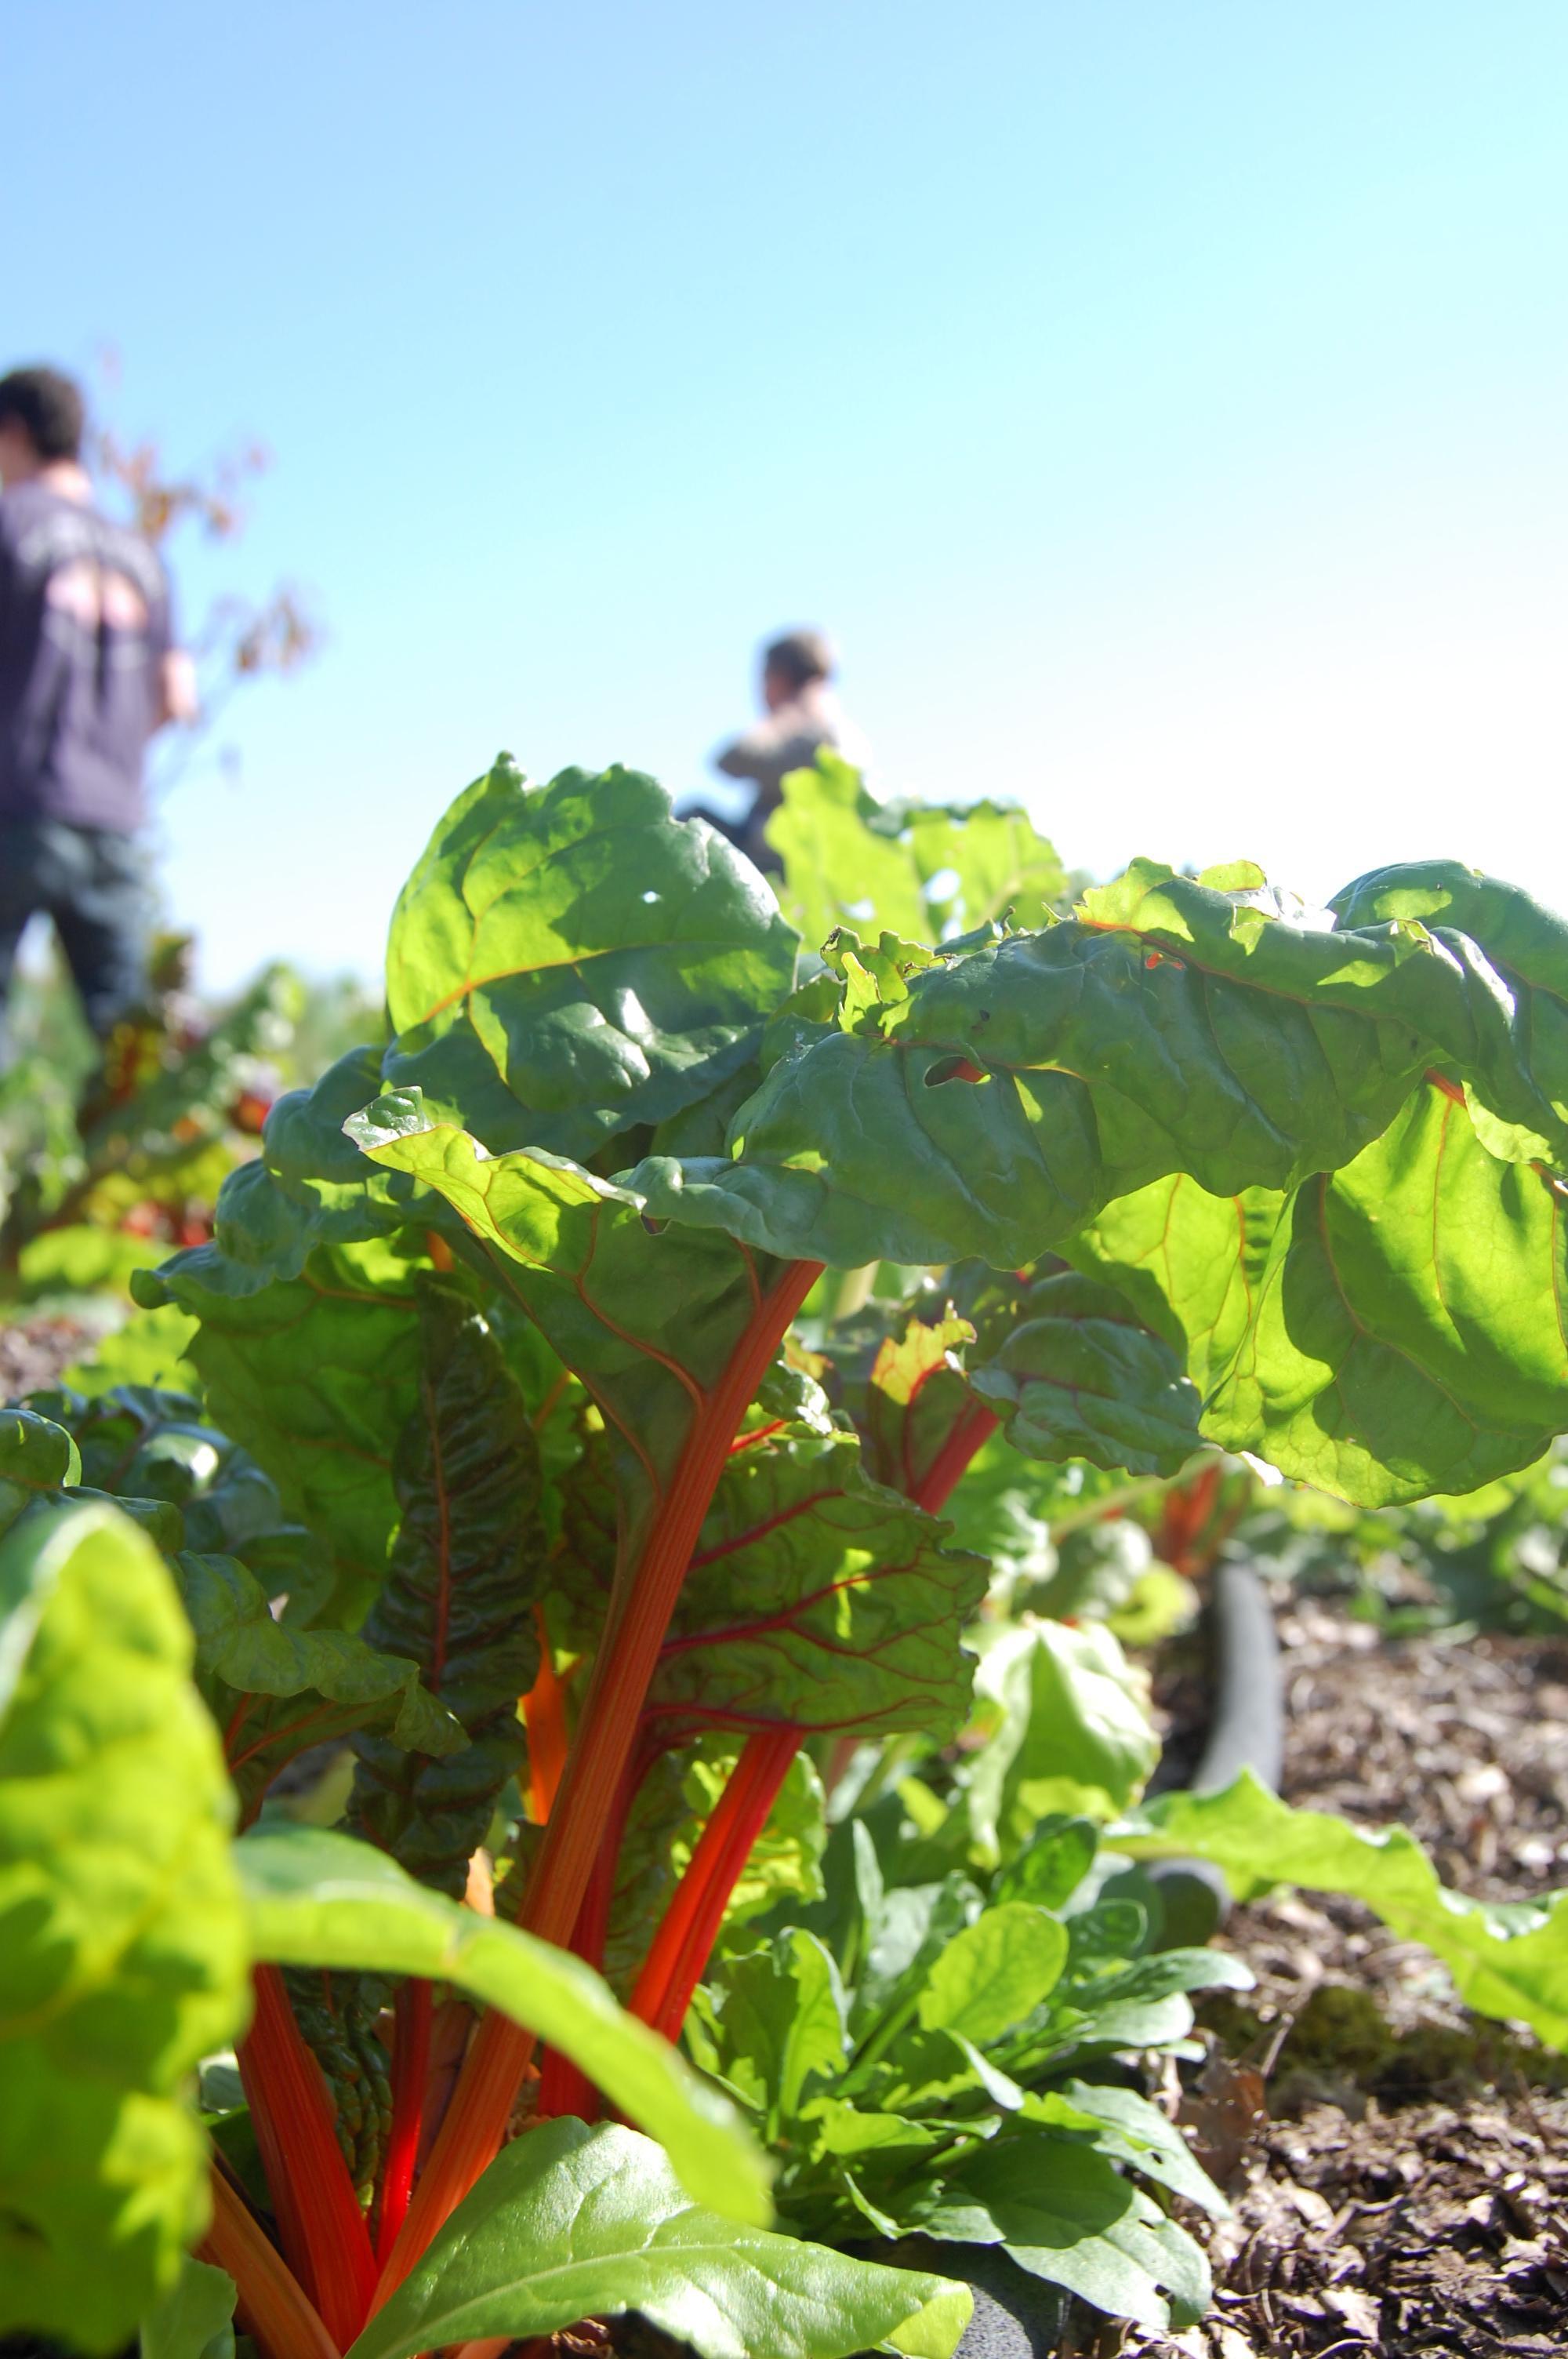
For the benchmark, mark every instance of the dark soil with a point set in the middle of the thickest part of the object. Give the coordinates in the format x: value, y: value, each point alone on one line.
x: 36, y: 1353
x: 1399, y: 2169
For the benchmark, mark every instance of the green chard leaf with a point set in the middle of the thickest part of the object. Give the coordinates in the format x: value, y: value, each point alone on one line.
x: 819, y: 1600
x: 572, y: 2222
x: 122, y: 1951
x: 1006, y: 1094
x: 458, y: 1594
x: 1071, y: 1375
x: 316, y: 1374
x: 917, y: 870
x: 1505, y: 1016
x: 567, y: 960
x: 315, y: 1898
x: 1389, y: 1329
x: 276, y: 1691
x: 1509, y: 1961
x: 650, y: 1322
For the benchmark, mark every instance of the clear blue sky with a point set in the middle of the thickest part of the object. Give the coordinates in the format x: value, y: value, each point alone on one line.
x: 1163, y: 404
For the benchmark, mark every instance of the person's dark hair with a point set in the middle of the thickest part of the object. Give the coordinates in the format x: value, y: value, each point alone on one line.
x: 801, y: 655
x: 49, y: 409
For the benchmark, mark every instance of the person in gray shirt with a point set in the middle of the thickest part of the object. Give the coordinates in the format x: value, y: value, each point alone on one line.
x: 89, y: 671
x: 801, y: 714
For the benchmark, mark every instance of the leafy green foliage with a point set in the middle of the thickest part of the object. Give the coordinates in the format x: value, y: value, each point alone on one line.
x: 276, y: 1691
x: 122, y: 1957
x: 1385, y: 1328
x: 567, y: 960
x: 919, y: 870
x: 458, y: 1594
x: 315, y: 1898
x: 1069, y: 1729
x: 572, y: 2222
x: 317, y: 1375
x: 195, y: 2320
x: 1509, y: 1961
x: 498, y: 1319
x: 902, y: 2035
x: 821, y: 1600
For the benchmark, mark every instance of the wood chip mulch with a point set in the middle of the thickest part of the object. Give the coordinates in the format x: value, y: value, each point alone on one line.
x: 1399, y: 2169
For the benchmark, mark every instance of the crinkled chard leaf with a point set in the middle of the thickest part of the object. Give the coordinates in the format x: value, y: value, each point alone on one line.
x: 920, y: 871
x: 818, y: 1600
x: 276, y: 1691
x: 122, y: 1951
x: 459, y: 1595
x: 649, y: 1322
x: 316, y: 1374
x: 567, y: 960
x: 1390, y: 1329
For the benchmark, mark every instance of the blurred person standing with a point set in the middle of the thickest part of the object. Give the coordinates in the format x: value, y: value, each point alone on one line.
x: 801, y: 714
x: 88, y: 671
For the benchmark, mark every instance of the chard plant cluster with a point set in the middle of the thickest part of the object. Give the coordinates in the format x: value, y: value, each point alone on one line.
x: 612, y: 1399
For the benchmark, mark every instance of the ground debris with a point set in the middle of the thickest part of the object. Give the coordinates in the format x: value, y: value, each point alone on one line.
x: 1406, y: 2193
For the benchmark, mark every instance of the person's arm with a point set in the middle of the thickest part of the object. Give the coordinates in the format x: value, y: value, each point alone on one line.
x: 175, y: 695
x: 175, y: 698
x: 752, y: 755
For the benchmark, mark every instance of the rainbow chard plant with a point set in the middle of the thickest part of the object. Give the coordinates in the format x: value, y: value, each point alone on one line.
x: 619, y: 1344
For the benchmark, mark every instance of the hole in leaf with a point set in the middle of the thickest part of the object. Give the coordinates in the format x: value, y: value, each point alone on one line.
x: 954, y: 1069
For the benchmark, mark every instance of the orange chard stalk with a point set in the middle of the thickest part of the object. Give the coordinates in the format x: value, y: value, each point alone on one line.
x: 642, y: 1603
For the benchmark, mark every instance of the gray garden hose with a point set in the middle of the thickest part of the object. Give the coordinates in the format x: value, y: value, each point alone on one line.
x: 1247, y: 1731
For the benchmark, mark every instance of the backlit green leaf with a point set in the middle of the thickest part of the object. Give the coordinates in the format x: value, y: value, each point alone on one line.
x: 320, y: 1899
x: 1509, y: 1961
x: 994, y: 1972
x: 122, y: 1952
x: 1393, y: 1328
x: 567, y: 960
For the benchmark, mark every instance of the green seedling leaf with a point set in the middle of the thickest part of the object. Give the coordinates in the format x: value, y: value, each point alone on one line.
x: 322, y: 1900
x: 1131, y: 2131
x: 1509, y: 1962
x: 195, y: 2320
x: 567, y: 960
x: 122, y: 1952
x: 1064, y: 2214
x: 784, y: 2024
x: 571, y: 2223
x: 994, y: 1972
x: 1072, y: 1732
